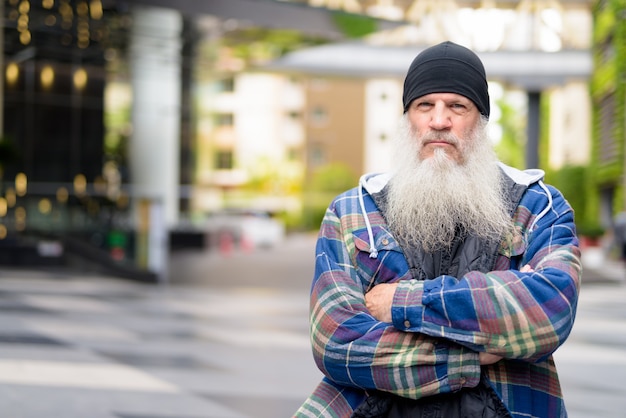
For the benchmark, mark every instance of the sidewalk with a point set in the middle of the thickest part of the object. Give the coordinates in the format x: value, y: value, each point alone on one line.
x: 88, y: 346
x: 228, y: 340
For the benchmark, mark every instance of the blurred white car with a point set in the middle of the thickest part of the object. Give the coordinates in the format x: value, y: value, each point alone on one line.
x: 245, y: 228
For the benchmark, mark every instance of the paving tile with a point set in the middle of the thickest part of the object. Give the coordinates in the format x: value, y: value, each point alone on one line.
x: 28, y: 339
x: 159, y: 361
x: 260, y: 407
x: 82, y: 375
x: 104, y: 348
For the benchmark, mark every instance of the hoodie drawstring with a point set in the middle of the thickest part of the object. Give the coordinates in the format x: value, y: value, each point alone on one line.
x: 545, y: 210
x: 373, y: 251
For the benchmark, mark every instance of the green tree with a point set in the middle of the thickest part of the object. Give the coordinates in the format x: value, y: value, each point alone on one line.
x: 326, y: 182
x: 510, y: 149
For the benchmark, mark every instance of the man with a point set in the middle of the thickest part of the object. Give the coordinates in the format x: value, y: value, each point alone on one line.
x: 443, y: 289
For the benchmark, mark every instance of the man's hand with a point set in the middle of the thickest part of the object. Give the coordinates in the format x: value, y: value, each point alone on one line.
x: 527, y: 269
x: 487, y: 358
x: 379, y: 300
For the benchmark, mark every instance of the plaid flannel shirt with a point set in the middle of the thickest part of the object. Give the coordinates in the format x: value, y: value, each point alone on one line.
x: 440, y: 325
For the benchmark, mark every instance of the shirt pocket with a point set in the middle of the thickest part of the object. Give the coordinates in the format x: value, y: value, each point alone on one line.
x: 389, y: 265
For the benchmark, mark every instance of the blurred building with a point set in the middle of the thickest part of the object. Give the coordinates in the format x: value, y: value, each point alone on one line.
x: 605, y: 195
x: 119, y: 132
x: 251, y: 130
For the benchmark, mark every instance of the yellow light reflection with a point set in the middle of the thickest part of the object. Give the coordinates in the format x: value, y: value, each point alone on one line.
x: 24, y: 7
x: 82, y: 9
x: 22, y: 23
x: 62, y: 195
x: 4, y: 207
x: 95, y: 9
x: 3, y: 231
x: 21, y: 183
x: 47, y: 4
x: 25, y: 37
x: 50, y: 20
x: 12, y: 73
x: 80, y: 79
x: 20, y: 218
x: 80, y: 184
x: 45, y: 206
x: 47, y: 76
x: 11, y: 197
x: 123, y: 200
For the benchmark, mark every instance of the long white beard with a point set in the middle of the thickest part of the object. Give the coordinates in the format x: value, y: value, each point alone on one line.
x: 431, y: 199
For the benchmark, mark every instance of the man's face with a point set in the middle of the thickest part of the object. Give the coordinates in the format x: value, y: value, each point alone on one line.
x: 443, y: 121
x: 446, y: 175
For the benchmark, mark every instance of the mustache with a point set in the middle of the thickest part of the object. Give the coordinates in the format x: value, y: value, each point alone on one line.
x: 433, y: 136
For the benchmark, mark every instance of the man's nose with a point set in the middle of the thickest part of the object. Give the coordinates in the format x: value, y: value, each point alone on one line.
x: 440, y: 117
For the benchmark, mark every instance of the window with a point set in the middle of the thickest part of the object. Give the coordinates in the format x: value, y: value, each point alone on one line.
x: 226, y: 85
x: 317, y: 156
x: 224, y: 119
x: 319, y: 116
x: 294, y: 115
x: 224, y: 160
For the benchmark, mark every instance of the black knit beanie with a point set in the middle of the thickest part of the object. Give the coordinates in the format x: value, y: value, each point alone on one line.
x: 447, y: 68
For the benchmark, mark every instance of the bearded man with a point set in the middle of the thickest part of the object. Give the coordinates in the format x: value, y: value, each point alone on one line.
x: 443, y: 288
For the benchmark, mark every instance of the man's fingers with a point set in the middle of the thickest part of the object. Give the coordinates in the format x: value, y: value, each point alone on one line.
x: 379, y: 300
x: 487, y: 358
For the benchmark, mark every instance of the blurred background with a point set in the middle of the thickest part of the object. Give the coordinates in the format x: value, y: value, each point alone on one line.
x: 131, y: 130
x: 197, y: 144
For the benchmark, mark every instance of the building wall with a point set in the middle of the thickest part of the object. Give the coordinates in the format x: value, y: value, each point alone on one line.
x: 252, y: 129
x: 570, y: 125
x: 335, y: 123
x: 383, y: 110
x: 605, y: 185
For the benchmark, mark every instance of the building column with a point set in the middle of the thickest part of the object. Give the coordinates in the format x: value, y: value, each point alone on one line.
x: 532, y: 130
x: 154, y: 146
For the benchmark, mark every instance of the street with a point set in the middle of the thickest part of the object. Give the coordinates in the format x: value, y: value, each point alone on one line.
x: 227, y: 337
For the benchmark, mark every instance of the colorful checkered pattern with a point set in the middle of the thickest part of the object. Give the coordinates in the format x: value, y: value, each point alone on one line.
x: 440, y: 325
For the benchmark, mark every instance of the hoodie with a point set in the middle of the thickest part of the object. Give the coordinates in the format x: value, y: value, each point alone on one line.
x: 440, y: 325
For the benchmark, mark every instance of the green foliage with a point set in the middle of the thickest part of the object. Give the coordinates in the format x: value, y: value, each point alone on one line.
x: 570, y: 180
x: 273, y: 178
x: 607, y: 88
x: 604, y: 23
x: 312, y: 215
x: 326, y: 183
x: 354, y: 26
x: 544, y: 131
x: 255, y: 44
x: 334, y: 178
x: 589, y: 229
x: 510, y: 149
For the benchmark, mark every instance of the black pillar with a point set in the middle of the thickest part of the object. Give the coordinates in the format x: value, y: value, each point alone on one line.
x: 532, y: 130
x: 190, y: 38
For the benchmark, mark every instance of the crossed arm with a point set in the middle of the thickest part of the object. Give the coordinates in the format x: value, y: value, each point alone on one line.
x: 429, y: 339
x: 379, y: 301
